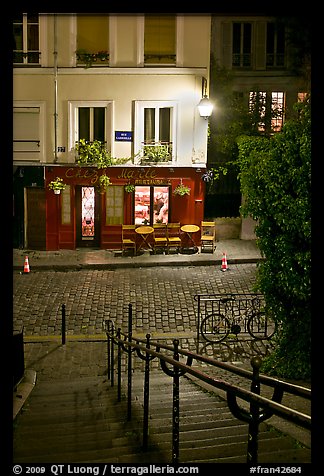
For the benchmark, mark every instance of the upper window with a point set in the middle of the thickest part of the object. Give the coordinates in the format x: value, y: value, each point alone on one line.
x: 92, y: 40
x: 160, y: 39
x: 267, y: 110
x: 26, y: 39
x: 90, y: 121
x: 241, y: 45
x: 155, y: 138
x: 275, y: 45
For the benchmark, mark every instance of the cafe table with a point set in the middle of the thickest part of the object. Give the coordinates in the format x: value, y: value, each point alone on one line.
x: 189, y: 230
x: 144, y: 231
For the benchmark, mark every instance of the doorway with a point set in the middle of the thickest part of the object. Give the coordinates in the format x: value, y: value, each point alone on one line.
x: 35, y: 218
x: 87, y: 205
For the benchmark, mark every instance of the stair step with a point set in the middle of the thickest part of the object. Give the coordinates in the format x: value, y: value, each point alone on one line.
x: 80, y: 421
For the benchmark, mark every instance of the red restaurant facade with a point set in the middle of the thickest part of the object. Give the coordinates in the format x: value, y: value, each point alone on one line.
x: 82, y: 216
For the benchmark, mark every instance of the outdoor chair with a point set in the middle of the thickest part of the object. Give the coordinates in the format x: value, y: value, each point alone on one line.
x: 160, y: 240
x: 128, y: 238
x: 208, y: 236
x: 173, y: 234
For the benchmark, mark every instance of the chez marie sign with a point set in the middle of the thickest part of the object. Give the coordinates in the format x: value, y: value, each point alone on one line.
x: 136, y: 176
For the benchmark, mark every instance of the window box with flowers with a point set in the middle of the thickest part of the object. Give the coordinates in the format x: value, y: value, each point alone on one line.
x: 57, y: 185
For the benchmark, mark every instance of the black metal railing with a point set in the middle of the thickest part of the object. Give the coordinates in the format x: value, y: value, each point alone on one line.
x: 260, y: 409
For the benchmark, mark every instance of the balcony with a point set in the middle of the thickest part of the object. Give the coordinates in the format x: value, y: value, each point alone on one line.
x: 153, y: 152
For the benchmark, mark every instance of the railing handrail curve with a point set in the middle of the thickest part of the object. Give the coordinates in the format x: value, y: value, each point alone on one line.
x: 276, y: 408
x: 288, y: 387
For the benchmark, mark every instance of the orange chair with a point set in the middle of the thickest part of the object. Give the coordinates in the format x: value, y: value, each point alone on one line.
x: 208, y: 235
x: 173, y: 235
x: 128, y: 238
x: 160, y: 240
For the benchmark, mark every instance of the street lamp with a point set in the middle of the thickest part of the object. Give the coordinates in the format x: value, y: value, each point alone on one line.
x: 205, y: 107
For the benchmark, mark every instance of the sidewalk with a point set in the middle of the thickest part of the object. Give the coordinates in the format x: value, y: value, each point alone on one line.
x: 237, y: 251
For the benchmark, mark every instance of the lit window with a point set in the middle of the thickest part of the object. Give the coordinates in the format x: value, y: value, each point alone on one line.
x: 160, y: 39
x: 267, y: 111
x: 93, y: 39
x: 151, y: 205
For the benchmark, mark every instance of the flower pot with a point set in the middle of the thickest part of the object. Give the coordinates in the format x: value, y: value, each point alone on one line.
x: 57, y: 192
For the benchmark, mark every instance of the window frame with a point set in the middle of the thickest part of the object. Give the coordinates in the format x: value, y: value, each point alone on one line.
x: 151, y: 204
x: 241, y: 54
x: 73, y: 118
x: 25, y: 51
x: 139, y: 137
x: 268, y: 103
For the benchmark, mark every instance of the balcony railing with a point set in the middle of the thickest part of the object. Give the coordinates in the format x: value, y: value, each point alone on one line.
x: 154, y: 152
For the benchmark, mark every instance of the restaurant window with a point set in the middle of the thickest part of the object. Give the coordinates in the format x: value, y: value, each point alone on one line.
x: 93, y: 38
x: 241, y: 45
x: 114, y: 205
x: 26, y: 39
x: 151, y: 205
x: 275, y: 52
x: 267, y: 110
x: 160, y: 39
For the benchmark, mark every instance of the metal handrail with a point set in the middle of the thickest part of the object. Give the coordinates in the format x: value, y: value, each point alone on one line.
x: 261, y: 408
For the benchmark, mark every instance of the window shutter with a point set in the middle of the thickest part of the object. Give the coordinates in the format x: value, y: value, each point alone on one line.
x: 227, y: 45
x: 160, y: 37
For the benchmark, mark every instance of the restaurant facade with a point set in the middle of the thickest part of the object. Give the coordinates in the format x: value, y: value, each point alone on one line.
x: 142, y: 95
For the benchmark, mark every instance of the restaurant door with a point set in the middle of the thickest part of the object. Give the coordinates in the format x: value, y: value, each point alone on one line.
x: 87, y: 205
x: 35, y: 218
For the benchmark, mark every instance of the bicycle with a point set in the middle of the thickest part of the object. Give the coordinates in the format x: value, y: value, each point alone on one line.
x: 216, y: 326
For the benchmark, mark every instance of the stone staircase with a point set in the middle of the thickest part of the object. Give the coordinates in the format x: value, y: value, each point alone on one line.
x: 80, y: 421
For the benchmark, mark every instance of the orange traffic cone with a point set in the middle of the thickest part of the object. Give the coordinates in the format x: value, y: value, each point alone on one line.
x: 26, y: 265
x: 224, y: 263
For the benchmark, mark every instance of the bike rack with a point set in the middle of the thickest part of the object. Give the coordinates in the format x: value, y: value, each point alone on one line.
x: 242, y: 303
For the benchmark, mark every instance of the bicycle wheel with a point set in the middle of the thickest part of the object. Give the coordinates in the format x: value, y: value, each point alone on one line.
x: 215, y: 327
x: 261, y: 326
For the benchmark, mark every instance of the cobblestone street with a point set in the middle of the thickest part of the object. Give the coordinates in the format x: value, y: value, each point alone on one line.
x: 162, y: 297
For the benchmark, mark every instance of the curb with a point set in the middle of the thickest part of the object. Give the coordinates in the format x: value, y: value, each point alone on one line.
x: 137, y: 264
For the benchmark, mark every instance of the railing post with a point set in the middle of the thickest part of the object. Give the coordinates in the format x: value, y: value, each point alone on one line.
x: 252, y: 450
x: 108, y: 349
x: 175, y: 412
x: 63, y: 324
x: 129, y: 370
x: 119, y: 366
x: 146, y: 394
x: 112, y: 366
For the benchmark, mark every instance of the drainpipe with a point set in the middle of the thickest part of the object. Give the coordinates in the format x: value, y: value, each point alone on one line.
x: 55, y: 88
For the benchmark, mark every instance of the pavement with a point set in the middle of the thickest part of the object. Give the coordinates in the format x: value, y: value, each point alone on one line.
x: 37, y: 354
x: 237, y: 251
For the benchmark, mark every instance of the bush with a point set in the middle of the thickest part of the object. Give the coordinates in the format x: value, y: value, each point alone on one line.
x: 275, y: 180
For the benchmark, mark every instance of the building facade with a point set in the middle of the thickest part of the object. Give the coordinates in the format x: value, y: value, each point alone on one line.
x: 132, y: 83
x: 253, y: 59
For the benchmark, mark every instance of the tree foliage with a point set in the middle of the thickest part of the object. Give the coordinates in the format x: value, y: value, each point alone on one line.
x: 275, y: 181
